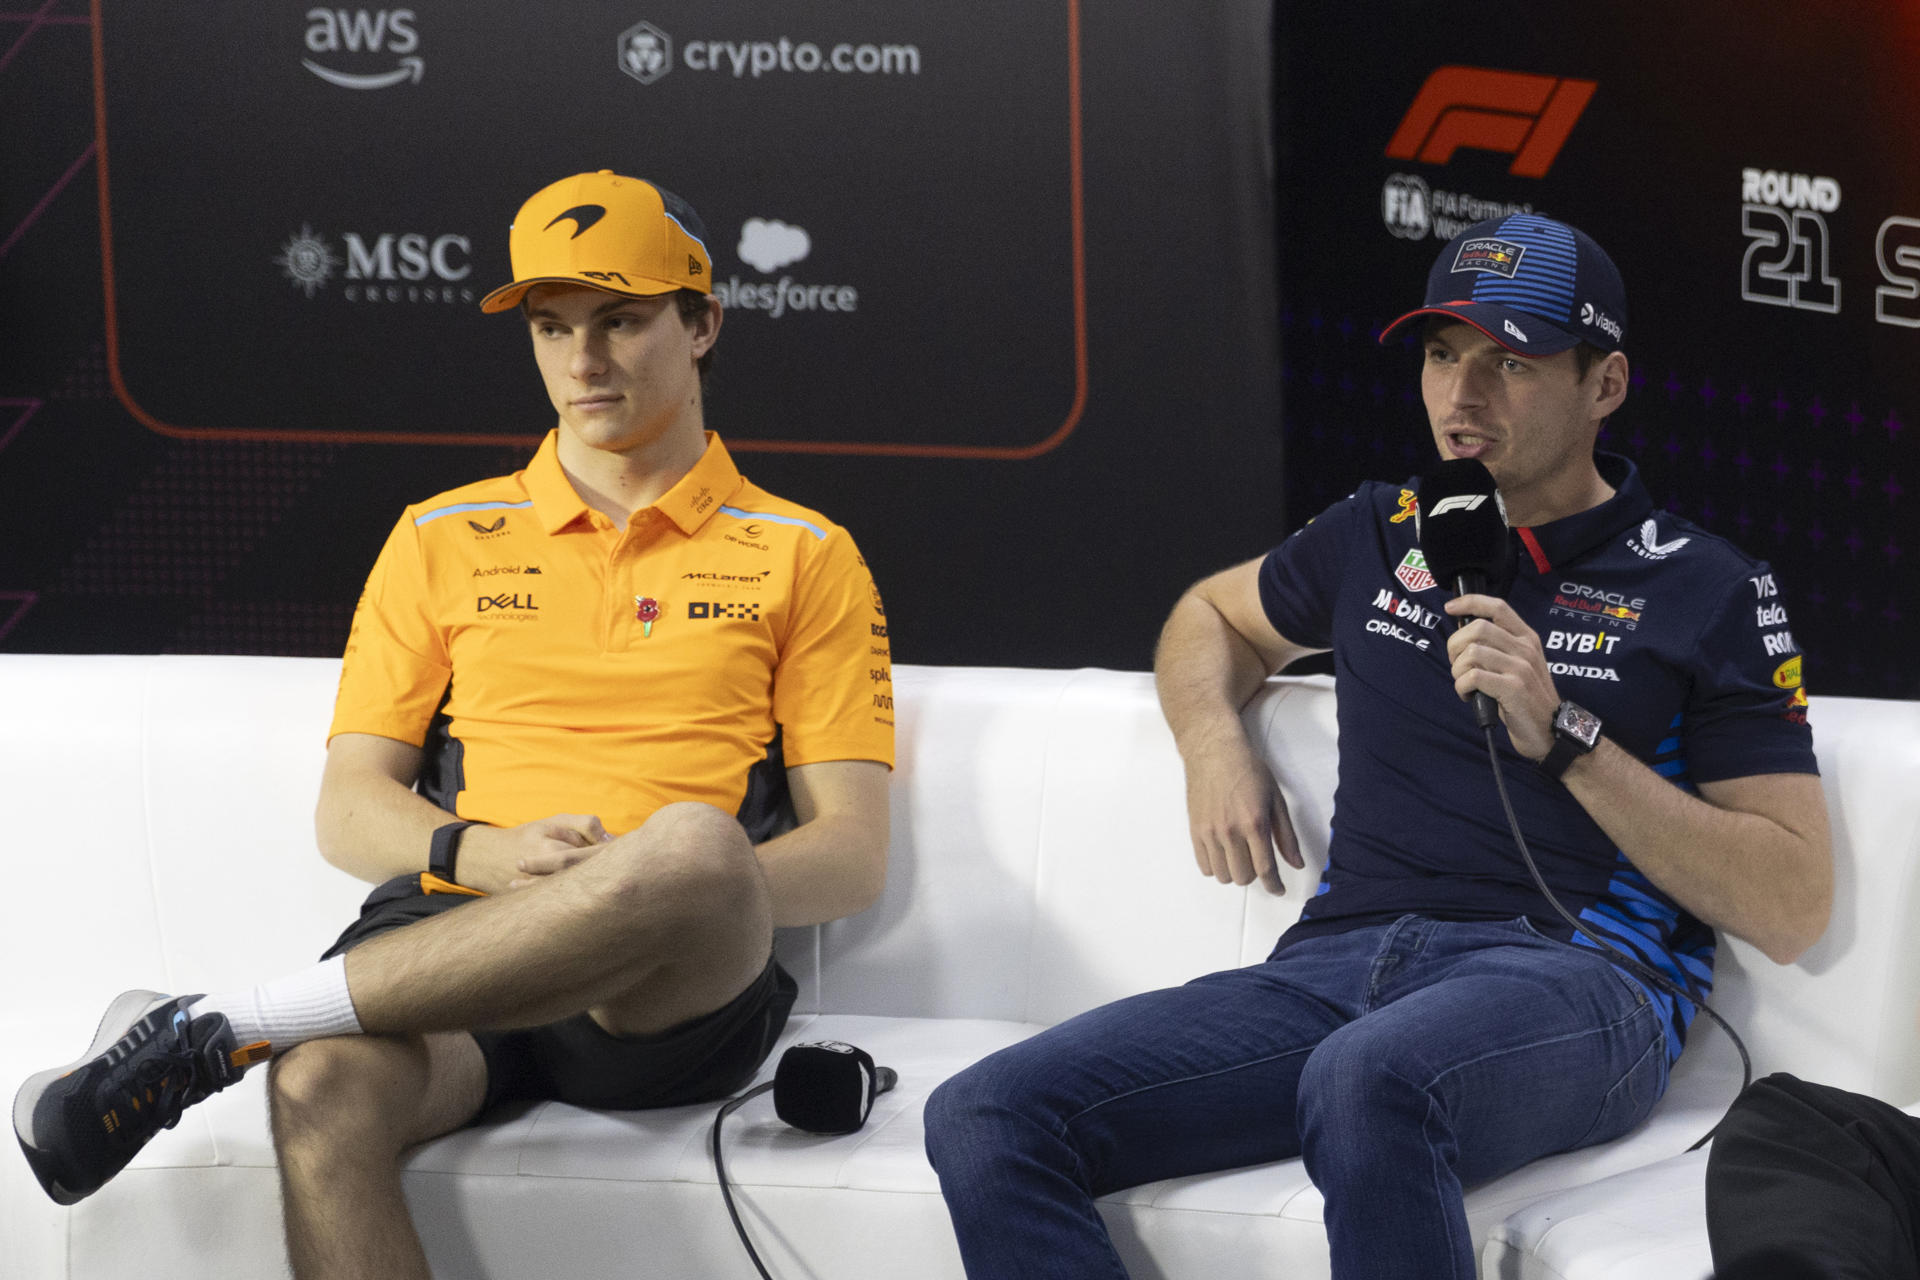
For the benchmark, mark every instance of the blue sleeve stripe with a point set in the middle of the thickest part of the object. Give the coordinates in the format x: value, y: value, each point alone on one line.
x: 1667, y: 746
x: 810, y: 527
x: 459, y: 508
x: 1671, y: 768
x: 1646, y: 950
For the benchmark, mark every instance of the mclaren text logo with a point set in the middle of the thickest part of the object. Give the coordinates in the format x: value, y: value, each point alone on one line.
x: 357, y: 34
x: 1513, y: 112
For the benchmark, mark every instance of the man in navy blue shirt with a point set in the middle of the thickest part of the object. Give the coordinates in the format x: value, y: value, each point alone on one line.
x: 1656, y: 742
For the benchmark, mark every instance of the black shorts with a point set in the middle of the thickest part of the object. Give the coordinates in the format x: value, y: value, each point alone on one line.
x: 575, y: 1060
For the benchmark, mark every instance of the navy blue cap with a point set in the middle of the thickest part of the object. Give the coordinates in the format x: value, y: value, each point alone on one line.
x: 1533, y: 285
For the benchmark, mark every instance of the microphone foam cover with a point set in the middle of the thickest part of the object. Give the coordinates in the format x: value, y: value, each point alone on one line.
x: 1461, y: 523
x: 826, y: 1087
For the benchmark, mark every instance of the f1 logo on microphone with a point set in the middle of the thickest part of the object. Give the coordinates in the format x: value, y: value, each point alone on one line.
x: 1458, y: 502
x: 1526, y: 116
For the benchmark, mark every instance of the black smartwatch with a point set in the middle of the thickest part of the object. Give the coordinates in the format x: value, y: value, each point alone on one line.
x: 445, y: 850
x: 1575, y: 730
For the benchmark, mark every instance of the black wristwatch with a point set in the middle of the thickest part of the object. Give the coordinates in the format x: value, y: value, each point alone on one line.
x: 444, y: 852
x: 1575, y: 730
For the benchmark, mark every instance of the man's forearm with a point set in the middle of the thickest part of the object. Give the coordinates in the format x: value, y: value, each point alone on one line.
x: 1204, y: 673
x: 374, y: 827
x: 1766, y: 877
x: 822, y: 870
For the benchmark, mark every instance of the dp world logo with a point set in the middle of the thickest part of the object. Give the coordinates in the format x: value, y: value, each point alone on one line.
x: 646, y: 52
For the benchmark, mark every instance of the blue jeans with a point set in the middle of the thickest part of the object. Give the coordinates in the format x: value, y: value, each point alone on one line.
x: 1402, y: 1061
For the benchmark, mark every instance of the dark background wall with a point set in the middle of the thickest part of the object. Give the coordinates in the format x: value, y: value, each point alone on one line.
x: 240, y: 245
x: 1748, y: 166
x: 1053, y: 406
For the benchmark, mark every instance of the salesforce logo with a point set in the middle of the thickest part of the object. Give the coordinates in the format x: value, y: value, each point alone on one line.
x: 769, y: 245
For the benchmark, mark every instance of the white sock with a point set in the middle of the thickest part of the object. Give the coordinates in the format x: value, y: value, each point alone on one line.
x: 307, y: 1005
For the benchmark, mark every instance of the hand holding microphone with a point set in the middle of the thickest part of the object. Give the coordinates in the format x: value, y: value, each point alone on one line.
x: 1462, y: 528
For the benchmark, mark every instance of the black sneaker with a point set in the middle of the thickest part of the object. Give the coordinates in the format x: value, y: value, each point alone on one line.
x: 80, y: 1124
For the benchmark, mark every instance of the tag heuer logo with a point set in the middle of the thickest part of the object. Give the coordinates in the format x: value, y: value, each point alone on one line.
x: 1413, y: 573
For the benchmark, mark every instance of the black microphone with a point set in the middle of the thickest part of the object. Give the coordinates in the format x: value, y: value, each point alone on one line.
x: 828, y: 1086
x: 1462, y: 527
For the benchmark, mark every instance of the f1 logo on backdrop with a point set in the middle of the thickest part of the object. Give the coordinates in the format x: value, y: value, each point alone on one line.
x: 1526, y: 116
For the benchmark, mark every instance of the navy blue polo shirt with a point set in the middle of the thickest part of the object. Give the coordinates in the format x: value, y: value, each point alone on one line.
x: 1674, y: 637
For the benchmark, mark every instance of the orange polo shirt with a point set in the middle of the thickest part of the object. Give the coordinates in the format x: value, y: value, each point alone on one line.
x: 587, y: 669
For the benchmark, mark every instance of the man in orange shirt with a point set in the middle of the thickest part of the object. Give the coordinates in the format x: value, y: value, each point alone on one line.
x: 577, y: 703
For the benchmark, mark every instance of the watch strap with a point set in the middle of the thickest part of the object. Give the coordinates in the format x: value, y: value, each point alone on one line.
x: 1563, y: 753
x: 444, y: 851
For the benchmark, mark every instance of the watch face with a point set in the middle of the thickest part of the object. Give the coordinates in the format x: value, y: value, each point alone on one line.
x: 1578, y: 723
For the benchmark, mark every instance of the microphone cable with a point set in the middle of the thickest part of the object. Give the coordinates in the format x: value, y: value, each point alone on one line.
x: 1653, y: 975
x: 720, y: 1171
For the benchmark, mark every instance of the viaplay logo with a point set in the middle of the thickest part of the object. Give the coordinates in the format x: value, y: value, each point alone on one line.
x: 355, y: 36
x: 1516, y: 113
x: 768, y: 245
x: 383, y: 267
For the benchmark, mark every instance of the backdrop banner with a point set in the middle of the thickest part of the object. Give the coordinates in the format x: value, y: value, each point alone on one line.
x: 871, y: 179
x: 998, y: 282
x: 1745, y: 165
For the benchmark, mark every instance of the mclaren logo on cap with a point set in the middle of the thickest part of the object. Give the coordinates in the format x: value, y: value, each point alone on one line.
x: 583, y: 215
x: 1514, y: 329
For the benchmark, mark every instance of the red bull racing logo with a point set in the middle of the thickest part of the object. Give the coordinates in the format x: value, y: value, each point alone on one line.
x: 1576, y: 600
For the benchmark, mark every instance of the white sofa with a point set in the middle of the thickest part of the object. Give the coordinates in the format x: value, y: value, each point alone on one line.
x: 157, y: 813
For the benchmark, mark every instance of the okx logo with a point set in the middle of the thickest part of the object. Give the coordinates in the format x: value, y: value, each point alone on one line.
x: 1523, y: 115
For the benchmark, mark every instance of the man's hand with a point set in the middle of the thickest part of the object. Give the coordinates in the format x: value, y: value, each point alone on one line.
x: 493, y: 859
x: 1497, y: 654
x: 1237, y: 816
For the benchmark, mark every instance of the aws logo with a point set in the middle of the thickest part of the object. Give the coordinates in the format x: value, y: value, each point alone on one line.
x: 1520, y: 114
x: 364, y: 31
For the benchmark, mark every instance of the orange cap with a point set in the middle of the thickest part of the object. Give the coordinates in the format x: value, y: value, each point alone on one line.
x: 619, y: 234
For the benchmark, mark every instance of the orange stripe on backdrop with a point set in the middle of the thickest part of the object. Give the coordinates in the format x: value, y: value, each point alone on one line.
x: 1013, y: 453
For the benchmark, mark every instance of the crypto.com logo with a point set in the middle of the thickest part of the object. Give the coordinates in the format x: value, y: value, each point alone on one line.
x: 1526, y: 116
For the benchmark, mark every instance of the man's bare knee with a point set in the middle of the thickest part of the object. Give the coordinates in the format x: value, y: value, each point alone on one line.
x: 690, y: 866
x: 345, y: 1089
